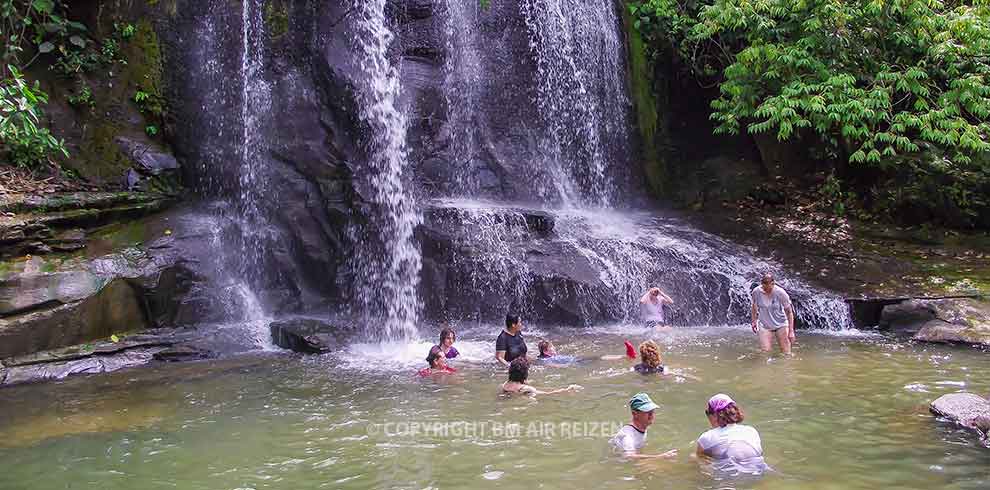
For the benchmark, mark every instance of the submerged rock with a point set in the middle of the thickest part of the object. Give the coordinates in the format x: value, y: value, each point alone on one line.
x: 965, y: 409
x: 309, y: 336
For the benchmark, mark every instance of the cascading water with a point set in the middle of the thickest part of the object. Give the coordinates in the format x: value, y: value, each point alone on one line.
x: 462, y: 79
x: 580, y: 94
x: 612, y: 257
x: 253, y: 191
x: 386, y: 259
x: 594, y: 261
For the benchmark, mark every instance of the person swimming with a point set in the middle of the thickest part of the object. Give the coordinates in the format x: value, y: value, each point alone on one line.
x: 548, y: 353
x: 437, y: 362
x: 519, y: 374
x: 650, y: 360
x: 446, y: 345
x: 734, y: 447
x: 652, y: 363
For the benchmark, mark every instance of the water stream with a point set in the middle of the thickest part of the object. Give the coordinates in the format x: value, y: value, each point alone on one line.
x: 386, y: 258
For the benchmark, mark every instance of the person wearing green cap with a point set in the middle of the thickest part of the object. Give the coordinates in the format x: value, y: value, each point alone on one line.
x: 631, y: 438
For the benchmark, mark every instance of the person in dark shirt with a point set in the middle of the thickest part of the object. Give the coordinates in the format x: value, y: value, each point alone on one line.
x: 510, y: 343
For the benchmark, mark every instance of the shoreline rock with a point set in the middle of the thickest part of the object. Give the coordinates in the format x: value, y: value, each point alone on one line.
x: 966, y: 410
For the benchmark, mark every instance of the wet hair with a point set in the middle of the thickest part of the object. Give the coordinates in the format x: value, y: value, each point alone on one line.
x: 544, y: 345
x: 445, y: 332
x: 767, y: 278
x: 433, y: 356
x: 649, y: 353
x: 731, y: 414
x: 511, y: 320
x: 519, y: 369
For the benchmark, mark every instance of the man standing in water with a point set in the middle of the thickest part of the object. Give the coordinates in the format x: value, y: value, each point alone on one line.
x: 510, y: 343
x: 651, y: 307
x: 773, y: 315
x: 632, y: 437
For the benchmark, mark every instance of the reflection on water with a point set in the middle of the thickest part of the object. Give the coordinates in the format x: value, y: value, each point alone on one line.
x: 844, y: 413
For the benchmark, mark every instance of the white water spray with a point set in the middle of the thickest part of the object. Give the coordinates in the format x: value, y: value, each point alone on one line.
x: 387, y: 259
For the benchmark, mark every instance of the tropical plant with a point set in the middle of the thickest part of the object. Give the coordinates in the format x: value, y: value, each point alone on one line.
x: 881, y: 82
x: 22, y: 140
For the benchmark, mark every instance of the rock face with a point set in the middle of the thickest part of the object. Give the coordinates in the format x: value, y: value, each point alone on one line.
x: 313, y: 145
x: 310, y: 336
x: 100, y: 357
x: 966, y: 409
x: 954, y: 320
x: 52, y: 302
x: 60, y: 222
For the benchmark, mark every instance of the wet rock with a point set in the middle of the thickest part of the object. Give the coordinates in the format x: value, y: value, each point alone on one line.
x: 147, y: 158
x: 907, y: 316
x: 113, y: 308
x: 104, y: 356
x: 34, y: 373
x: 964, y: 321
x: 310, y: 336
x: 965, y: 409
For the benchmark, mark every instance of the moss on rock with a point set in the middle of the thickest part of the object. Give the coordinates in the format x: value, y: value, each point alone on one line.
x: 276, y: 18
x: 645, y: 105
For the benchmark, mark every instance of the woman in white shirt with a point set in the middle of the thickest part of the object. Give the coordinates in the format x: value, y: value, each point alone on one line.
x: 729, y: 442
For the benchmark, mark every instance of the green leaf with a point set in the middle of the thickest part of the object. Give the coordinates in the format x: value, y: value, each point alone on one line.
x: 43, y: 6
x: 78, y: 41
x: 114, y: 338
x: 46, y: 47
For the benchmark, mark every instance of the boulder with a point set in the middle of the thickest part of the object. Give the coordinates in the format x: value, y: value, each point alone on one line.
x: 965, y: 321
x: 148, y: 159
x: 152, y: 278
x: 101, y: 357
x: 907, y: 316
x: 965, y: 409
x: 309, y: 336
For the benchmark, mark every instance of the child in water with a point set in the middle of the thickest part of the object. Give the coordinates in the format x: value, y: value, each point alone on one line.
x: 548, y: 353
x: 519, y: 374
x: 438, y: 364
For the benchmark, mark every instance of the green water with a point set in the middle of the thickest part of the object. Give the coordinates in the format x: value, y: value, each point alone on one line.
x: 844, y: 413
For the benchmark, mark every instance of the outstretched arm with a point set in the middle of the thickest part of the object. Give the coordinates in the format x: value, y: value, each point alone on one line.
x: 500, y: 357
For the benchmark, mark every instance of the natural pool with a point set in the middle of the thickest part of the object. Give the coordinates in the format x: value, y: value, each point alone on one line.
x: 847, y: 412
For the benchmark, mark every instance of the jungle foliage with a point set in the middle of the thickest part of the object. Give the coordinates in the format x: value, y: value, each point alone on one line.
x: 898, y: 86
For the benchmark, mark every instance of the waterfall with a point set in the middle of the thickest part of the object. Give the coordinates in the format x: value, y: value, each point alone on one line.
x: 387, y: 260
x: 580, y: 93
x: 256, y: 233
x: 462, y: 80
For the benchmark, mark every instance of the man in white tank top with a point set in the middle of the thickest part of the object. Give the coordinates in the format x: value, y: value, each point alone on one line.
x: 631, y: 438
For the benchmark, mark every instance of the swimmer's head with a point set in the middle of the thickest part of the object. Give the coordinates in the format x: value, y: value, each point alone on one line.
x: 722, y: 411
x: 519, y: 369
x: 546, y: 349
x: 766, y: 282
x: 436, y: 358
x: 447, y: 337
x: 649, y: 353
x: 513, y: 323
x: 643, y: 409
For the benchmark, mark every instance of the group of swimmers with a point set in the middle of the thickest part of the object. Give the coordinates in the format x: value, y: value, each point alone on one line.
x: 727, y: 441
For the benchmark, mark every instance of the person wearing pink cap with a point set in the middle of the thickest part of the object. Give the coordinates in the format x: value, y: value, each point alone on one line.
x: 729, y: 441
